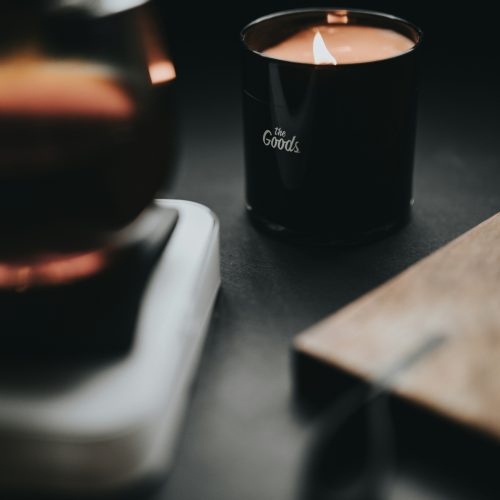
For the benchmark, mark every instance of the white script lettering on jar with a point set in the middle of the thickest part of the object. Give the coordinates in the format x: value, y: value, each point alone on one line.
x: 279, y: 141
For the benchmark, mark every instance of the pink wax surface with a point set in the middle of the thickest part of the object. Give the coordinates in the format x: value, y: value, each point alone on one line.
x: 348, y: 44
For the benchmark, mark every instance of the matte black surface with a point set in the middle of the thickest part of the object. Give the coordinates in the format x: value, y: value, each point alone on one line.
x: 243, y: 439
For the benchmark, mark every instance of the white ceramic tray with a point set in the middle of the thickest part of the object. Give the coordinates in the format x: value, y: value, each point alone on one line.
x: 101, y: 428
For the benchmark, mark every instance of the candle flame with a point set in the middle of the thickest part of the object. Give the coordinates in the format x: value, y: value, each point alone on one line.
x: 320, y: 52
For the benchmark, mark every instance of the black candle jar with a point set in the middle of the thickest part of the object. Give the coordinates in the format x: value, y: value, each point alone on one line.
x: 328, y: 148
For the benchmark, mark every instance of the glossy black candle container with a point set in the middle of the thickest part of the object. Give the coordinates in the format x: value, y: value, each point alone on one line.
x: 328, y: 149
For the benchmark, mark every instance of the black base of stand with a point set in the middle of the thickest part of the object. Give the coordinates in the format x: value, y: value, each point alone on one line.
x: 93, y: 316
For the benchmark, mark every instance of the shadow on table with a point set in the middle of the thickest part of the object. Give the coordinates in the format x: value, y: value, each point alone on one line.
x: 368, y: 445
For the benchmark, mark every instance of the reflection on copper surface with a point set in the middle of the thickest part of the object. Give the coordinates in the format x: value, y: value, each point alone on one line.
x: 37, y: 86
x: 320, y: 52
x: 54, y: 270
x: 161, y: 68
x: 338, y: 17
x: 161, y: 71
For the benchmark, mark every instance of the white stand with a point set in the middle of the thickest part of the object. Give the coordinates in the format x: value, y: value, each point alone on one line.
x: 100, y: 428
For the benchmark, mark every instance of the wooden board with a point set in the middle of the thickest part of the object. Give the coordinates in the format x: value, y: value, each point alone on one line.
x: 454, y: 294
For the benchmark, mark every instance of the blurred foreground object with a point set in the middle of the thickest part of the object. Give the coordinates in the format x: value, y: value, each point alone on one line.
x: 105, y: 293
x: 87, y: 132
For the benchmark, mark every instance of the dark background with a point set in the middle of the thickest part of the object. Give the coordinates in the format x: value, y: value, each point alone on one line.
x: 243, y: 439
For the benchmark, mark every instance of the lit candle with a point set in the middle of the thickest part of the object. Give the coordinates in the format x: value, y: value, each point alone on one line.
x: 341, y: 44
x: 330, y: 108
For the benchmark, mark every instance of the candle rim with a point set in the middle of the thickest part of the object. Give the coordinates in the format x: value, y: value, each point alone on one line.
x: 327, y: 10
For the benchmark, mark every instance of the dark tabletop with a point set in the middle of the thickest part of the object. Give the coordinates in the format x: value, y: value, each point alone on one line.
x: 242, y: 438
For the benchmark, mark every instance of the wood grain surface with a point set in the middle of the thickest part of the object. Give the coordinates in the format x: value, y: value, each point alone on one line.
x: 454, y: 294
